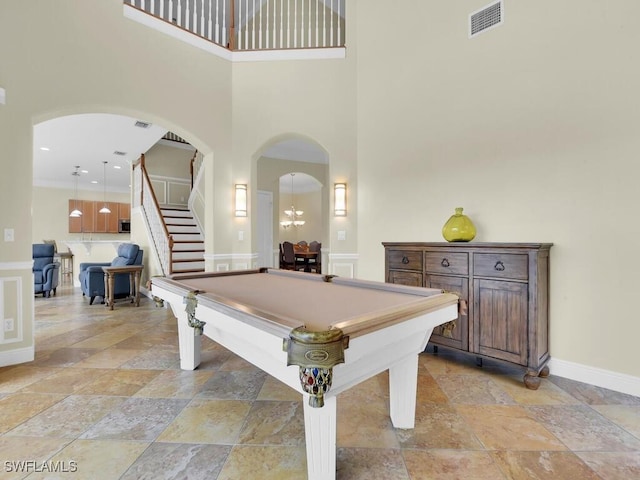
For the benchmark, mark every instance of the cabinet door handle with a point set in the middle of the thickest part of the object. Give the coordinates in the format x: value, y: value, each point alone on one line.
x: 499, y: 266
x: 405, y: 260
x: 444, y: 262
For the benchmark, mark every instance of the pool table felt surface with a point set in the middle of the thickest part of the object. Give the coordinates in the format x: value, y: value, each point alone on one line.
x: 305, y: 300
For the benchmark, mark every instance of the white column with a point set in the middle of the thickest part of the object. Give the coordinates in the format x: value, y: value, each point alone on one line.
x: 320, y: 435
x: 403, y: 384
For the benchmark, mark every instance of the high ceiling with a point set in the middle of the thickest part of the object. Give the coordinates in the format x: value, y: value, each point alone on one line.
x: 88, y: 140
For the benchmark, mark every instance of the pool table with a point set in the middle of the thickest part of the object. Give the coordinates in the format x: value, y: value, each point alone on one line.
x: 319, y: 334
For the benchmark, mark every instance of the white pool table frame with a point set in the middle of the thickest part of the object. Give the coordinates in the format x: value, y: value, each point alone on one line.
x: 395, y: 347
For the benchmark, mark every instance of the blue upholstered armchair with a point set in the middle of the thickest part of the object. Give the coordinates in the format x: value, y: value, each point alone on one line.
x: 46, y: 272
x: 92, y: 277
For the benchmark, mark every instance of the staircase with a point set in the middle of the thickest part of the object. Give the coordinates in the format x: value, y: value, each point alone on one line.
x: 187, y: 253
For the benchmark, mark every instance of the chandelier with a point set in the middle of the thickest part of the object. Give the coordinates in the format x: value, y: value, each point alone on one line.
x: 292, y: 214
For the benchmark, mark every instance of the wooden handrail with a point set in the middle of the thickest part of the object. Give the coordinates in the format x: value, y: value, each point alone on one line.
x: 156, y: 207
x: 193, y: 159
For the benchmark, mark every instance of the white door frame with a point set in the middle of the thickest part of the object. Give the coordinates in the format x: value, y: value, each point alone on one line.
x: 264, y: 227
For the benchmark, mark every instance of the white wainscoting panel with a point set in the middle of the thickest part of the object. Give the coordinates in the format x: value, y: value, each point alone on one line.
x: 343, y: 264
x: 11, y: 310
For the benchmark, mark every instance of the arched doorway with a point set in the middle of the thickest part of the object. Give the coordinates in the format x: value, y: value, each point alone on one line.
x: 103, y: 147
x: 275, y: 164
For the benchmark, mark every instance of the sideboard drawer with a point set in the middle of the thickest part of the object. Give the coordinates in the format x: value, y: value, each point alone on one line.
x: 405, y: 259
x: 501, y: 265
x: 447, y: 262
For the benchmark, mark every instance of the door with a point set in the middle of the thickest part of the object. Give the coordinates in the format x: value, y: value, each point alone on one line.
x: 265, y: 229
x: 500, y: 326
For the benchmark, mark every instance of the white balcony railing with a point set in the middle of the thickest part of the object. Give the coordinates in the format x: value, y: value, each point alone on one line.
x: 242, y: 25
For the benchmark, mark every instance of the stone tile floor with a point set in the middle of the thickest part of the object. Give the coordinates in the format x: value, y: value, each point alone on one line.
x: 105, y: 399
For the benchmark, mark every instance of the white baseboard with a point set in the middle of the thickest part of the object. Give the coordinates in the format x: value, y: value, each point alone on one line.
x: 14, y: 357
x: 599, y: 377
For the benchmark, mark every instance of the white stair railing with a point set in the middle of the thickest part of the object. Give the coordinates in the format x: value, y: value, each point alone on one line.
x: 255, y: 24
x: 145, y: 198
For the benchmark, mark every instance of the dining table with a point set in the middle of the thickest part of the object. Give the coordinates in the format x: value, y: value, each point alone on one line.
x: 305, y: 255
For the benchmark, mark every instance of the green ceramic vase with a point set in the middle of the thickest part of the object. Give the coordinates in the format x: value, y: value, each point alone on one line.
x: 459, y: 228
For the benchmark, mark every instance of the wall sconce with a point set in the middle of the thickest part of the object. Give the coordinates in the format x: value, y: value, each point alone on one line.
x: 241, y: 200
x: 340, y: 199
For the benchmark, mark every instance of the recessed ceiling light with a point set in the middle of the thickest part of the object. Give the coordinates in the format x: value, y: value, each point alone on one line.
x: 45, y: 149
x: 94, y: 181
x: 117, y: 167
x: 84, y: 171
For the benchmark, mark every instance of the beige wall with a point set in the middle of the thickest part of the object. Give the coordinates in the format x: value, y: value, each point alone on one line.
x: 532, y: 127
x: 66, y: 62
x: 167, y: 161
x: 305, y: 99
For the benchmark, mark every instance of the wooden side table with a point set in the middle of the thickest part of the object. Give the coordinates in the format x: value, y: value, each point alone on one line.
x: 134, y: 283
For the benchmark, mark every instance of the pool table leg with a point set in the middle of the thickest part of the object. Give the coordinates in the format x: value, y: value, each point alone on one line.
x: 320, y: 436
x: 403, y: 385
x: 189, y: 342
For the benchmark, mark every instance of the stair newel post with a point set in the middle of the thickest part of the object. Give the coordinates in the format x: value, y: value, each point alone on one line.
x: 193, y: 159
x: 232, y: 26
x: 170, y: 254
x: 142, y: 167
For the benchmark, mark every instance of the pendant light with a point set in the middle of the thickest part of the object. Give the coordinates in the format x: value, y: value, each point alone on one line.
x: 104, y: 209
x: 292, y: 213
x: 75, y: 212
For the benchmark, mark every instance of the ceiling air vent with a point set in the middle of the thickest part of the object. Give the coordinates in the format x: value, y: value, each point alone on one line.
x: 486, y: 18
x: 142, y: 124
x: 119, y: 153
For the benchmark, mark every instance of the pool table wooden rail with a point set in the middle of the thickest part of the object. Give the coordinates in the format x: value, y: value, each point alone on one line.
x: 282, y: 321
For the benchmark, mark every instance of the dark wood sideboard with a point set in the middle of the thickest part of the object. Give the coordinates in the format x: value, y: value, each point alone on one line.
x: 506, y: 290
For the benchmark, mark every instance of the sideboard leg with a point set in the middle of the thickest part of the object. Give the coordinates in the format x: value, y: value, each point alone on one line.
x: 531, y: 381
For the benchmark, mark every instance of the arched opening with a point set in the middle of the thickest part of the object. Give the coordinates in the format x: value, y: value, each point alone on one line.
x: 101, y: 148
x: 310, y: 165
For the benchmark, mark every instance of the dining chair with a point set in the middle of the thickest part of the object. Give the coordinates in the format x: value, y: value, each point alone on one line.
x: 315, y: 262
x: 288, y: 256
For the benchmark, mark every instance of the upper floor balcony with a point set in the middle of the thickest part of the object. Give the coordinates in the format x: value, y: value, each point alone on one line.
x: 249, y: 30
